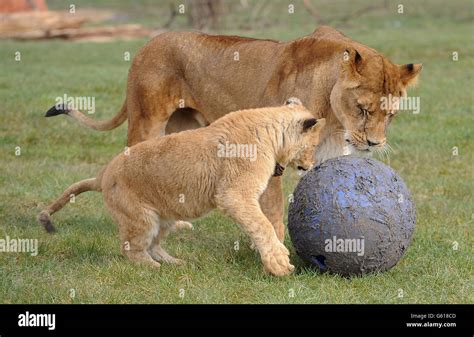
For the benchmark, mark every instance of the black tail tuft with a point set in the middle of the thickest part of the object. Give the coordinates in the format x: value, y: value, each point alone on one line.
x: 48, y: 225
x: 45, y: 220
x: 58, y: 109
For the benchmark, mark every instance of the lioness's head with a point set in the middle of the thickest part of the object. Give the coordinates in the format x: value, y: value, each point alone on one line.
x: 365, y: 79
x: 304, y: 138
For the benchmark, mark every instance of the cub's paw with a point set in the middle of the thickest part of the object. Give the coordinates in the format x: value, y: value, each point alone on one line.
x: 276, y: 260
x: 177, y: 262
x: 253, y: 246
x: 183, y: 225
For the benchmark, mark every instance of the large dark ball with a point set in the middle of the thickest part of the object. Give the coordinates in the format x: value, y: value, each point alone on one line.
x: 351, y: 216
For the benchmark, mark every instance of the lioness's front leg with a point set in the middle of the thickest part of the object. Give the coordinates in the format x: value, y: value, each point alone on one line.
x: 274, y: 255
x: 272, y: 205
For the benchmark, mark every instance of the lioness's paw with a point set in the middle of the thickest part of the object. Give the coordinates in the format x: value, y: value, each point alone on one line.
x: 276, y: 260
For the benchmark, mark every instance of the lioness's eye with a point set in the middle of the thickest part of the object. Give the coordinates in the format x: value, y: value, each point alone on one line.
x: 362, y: 111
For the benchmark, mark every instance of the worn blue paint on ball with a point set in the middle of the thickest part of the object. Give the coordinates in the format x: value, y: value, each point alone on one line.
x: 358, y: 204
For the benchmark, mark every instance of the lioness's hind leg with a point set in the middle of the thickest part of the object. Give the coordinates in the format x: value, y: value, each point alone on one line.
x: 151, y: 102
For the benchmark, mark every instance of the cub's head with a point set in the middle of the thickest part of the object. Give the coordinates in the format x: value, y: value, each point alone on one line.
x: 367, y: 80
x: 302, y: 136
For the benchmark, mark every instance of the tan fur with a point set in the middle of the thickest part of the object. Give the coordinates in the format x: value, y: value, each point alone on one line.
x: 210, y: 76
x: 184, y: 176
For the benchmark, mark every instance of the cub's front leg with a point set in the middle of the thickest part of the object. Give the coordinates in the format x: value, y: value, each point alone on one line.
x: 273, y: 206
x: 247, y: 212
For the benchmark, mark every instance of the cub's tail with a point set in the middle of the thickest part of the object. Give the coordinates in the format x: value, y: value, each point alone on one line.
x: 92, y: 184
x: 109, y: 124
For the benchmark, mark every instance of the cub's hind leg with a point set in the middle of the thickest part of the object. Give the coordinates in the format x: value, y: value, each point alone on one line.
x: 136, y: 231
x: 157, y: 251
x: 136, y: 244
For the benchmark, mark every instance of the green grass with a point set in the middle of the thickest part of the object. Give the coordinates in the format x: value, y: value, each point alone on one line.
x: 84, y: 254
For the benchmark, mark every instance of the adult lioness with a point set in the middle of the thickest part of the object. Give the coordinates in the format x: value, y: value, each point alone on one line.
x: 194, y: 79
x: 185, y: 175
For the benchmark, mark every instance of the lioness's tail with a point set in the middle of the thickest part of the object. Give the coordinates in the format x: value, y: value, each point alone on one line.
x: 109, y: 124
x: 92, y: 184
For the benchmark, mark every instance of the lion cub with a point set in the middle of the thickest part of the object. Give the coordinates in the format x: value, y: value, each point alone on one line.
x: 151, y: 187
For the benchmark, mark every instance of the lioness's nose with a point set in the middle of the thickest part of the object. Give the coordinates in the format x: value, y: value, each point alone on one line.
x: 372, y: 143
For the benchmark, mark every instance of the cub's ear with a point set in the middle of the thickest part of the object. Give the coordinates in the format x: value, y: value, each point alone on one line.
x: 312, y: 124
x: 293, y: 101
x: 409, y: 73
x: 308, y: 124
x: 351, y: 62
x: 321, y: 122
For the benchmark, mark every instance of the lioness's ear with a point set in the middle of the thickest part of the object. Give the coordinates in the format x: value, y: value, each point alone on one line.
x: 351, y: 61
x: 309, y: 124
x: 409, y: 73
